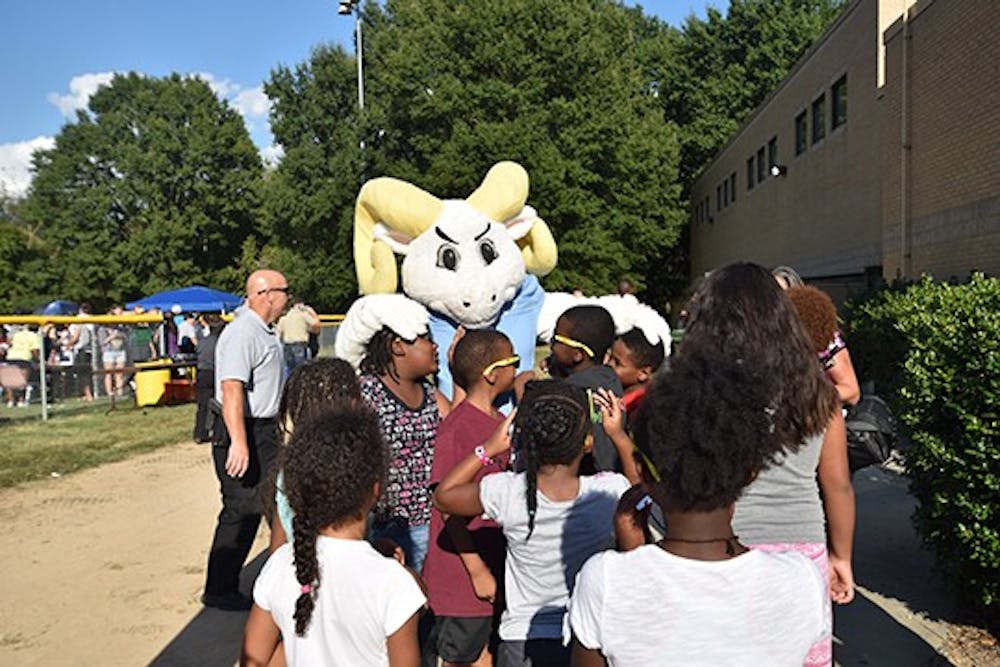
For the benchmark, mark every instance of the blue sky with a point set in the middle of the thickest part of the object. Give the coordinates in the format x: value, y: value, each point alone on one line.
x: 56, y: 52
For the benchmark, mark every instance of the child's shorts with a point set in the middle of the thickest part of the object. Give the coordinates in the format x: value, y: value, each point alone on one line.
x: 461, y: 639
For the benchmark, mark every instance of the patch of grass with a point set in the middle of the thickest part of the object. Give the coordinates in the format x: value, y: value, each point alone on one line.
x: 84, y: 437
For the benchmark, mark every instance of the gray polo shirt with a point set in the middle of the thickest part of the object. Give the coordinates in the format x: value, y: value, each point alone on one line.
x: 249, y: 351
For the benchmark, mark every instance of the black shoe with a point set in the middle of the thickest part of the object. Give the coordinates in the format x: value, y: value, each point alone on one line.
x: 227, y: 602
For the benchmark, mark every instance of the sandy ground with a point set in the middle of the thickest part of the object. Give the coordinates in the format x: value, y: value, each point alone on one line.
x: 105, y: 567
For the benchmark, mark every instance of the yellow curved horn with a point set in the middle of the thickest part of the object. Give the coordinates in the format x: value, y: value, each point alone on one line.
x: 539, y: 249
x: 399, y: 205
x: 501, y: 196
x: 502, y: 193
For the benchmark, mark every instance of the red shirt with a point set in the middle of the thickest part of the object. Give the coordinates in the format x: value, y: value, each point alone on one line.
x: 449, y: 589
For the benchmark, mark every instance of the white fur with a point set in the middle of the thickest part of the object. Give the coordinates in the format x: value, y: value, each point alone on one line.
x: 471, y: 291
x: 369, y: 314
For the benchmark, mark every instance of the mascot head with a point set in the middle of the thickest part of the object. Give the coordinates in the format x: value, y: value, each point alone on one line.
x: 464, y: 258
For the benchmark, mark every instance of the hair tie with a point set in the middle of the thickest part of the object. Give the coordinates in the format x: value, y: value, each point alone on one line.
x: 306, y: 589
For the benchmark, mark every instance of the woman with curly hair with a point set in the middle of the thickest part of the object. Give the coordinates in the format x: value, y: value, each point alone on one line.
x: 740, y: 313
x: 332, y: 598
x: 698, y: 595
x: 553, y: 519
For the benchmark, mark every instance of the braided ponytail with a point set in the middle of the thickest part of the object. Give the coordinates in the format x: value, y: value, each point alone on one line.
x: 378, y: 359
x: 306, y: 572
x: 551, y: 426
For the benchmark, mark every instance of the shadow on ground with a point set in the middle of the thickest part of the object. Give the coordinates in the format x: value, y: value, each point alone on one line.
x: 899, y: 599
x: 212, y: 638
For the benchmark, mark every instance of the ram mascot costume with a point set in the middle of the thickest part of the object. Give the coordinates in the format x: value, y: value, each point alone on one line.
x: 471, y: 262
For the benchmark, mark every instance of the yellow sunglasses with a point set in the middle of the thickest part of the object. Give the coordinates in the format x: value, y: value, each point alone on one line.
x: 566, y: 340
x: 508, y: 361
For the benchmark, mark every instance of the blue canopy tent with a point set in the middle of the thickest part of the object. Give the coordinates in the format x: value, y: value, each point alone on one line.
x: 193, y: 299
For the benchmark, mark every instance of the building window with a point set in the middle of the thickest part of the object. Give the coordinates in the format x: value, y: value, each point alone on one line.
x: 761, y: 167
x: 707, y: 209
x: 800, y: 133
x: 750, y: 173
x: 718, y: 198
x: 838, y: 102
x: 772, y: 153
x: 732, y: 187
x: 819, y: 118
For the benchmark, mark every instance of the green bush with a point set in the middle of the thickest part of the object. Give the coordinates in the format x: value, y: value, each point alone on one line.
x: 933, y: 350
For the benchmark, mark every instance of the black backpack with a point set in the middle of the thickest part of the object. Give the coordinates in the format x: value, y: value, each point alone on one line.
x: 871, y: 432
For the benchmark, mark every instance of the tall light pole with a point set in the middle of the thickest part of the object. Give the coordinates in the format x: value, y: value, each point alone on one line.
x: 345, y: 8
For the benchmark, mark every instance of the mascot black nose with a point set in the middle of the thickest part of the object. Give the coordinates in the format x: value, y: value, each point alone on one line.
x: 493, y: 298
x: 466, y: 303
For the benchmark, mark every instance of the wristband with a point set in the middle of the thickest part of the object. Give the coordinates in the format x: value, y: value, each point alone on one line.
x: 480, y: 453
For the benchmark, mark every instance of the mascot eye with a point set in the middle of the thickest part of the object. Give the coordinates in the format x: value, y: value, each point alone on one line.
x: 447, y: 257
x: 488, y: 252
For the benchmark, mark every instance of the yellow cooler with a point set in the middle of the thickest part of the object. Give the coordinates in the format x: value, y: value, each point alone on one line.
x: 150, y: 382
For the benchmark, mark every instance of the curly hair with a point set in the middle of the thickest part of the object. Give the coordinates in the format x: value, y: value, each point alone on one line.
x: 314, y: 386
x: 476, y: 350
x: 739, y: 312
x: 552, y: 422
x: 331, y: 466
x: 817, y: 312
x: 643, y: 354
x: 707, y: 427
x: 591, y: 325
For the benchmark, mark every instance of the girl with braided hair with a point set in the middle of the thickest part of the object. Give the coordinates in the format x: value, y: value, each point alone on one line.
x: 394, y: 384
x: 330, y: 596
x: 553, y: 519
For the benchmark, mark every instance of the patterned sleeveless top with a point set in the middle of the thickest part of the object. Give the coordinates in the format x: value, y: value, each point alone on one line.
x: 410, y: 435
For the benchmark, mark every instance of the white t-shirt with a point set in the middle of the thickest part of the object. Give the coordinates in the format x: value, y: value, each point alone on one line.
x: 647, y: 606
x: 540, y: 571
x: 363, y: 597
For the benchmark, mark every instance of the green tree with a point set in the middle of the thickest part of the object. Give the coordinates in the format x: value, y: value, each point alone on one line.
x: 308, y: 202
x: 154, y: 186
x: 559, y: 86
x: 724, y: 67
x: 24, y: 265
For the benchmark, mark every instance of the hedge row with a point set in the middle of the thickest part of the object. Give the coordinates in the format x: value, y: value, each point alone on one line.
x: 933, y: 350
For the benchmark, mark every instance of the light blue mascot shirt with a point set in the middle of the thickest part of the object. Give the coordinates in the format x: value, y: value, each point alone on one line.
x: 518, y: 320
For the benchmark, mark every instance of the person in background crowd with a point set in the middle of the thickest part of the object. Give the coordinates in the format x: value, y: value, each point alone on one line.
x: 294, y: 328
x: 111, y: 338
x: 205, y: 383
x: 82, y: 340
x: 625, y: 286
x: 187, y: 334
x: 24, y: 351
x: 249, y: 375
x: 140, y: 340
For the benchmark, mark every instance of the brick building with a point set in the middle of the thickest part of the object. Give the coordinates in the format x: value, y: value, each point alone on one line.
x: 882, y: 143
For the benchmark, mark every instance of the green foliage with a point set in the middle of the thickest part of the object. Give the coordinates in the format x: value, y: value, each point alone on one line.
x: 561, y: 87
x: 308, y: 202
x: 154, y: 186
x: 725, y: 66
x: 938, y: 348
x: 23, y: 262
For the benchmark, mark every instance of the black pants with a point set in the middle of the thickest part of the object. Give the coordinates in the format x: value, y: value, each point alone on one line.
x: 203, y: 420
x: 241, y: 503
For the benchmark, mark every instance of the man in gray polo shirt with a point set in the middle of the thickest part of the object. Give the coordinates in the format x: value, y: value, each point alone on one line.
x: 249, y: 374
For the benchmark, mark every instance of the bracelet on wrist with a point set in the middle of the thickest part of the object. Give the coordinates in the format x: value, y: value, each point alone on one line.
x: 480, y: 453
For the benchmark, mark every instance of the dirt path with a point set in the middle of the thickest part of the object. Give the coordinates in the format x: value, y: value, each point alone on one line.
x: 106, y: 566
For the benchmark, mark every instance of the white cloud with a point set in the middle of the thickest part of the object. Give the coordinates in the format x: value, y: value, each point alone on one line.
x: 223, y: 88
x: 271, y: 155
x: 252, y: 102
x: 15, y: 164
x: 80, y: 89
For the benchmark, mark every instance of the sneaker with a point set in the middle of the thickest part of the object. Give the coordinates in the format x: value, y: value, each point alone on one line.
x: 227, y: 602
